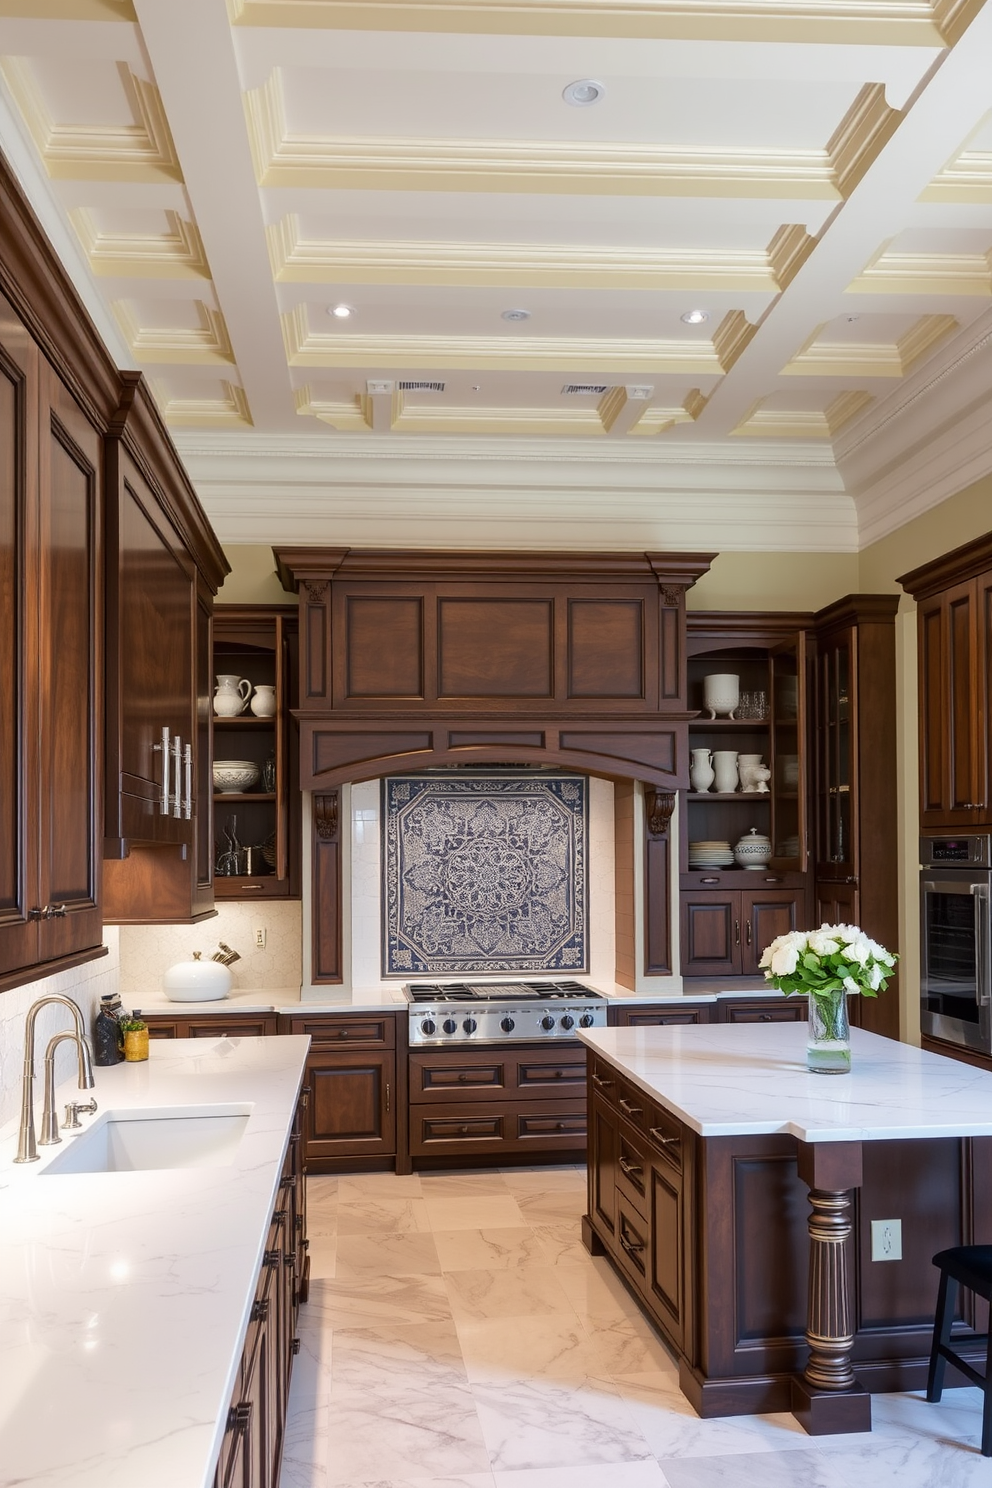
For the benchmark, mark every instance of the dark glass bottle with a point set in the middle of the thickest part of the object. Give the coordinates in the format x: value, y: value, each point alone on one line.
x: 108, y: 1041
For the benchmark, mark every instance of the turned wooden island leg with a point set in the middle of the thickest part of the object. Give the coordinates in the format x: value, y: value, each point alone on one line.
x: 826, y: 1398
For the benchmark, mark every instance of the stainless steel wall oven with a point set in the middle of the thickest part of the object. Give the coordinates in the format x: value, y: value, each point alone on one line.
x: 956, y: 950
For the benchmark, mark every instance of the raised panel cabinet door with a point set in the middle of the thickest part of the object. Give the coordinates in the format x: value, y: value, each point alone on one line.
x: 604, y: 1152
x: 666, y: 1262
x: 951, y: 729
x: 984, y: 587
x: 711, y: 933
x: 766, y: 914
x: 352, y: 1108
x: 69, y: 595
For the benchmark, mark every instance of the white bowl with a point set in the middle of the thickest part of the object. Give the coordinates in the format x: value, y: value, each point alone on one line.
x: 234, y: 776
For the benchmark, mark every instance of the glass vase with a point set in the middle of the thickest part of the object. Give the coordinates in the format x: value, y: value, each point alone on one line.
x: 828, y: 1043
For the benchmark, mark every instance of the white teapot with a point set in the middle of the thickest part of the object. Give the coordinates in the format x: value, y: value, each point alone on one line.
x: 232, y: 694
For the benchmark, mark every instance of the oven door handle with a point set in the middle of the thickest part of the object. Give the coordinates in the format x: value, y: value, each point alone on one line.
x: 982, y: 970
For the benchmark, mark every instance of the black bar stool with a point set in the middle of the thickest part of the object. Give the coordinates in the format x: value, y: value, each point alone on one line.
x: 968, y: 1266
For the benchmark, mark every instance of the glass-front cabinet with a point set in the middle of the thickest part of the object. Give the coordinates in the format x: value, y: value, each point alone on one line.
x: 836, y: 785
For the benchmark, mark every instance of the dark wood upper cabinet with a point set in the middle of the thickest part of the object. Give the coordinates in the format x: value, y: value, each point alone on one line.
x: 164, y: 566
x: 452, y: 658
x: 57, y: 389
x: 954, y: 628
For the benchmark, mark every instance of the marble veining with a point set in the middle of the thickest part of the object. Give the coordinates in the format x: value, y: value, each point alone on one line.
x: 733, y: 1079
x: 124, y: 1297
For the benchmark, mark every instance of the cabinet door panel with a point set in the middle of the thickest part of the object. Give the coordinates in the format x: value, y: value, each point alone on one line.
x: 767, y: 913
x: 667, y: 1259
x: 658, y: 1018
x: 711, y: 934
x: 351, y: 1107
x: 604, y: 1151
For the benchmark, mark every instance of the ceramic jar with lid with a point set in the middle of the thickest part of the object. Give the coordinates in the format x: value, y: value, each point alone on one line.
x: 197, y: 981
x: 753, y: 850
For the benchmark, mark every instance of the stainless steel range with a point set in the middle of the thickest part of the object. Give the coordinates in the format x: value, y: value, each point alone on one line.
x: 501, y: 1012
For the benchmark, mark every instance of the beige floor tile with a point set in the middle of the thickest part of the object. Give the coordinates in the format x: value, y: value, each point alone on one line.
x: 482, y: 1212
x: 562, y: 1243
x: 372, y: 1215
x: 492, y: 1250
x: 385, y: 1299
x: 524, y: 1292
x: 408, y: 1253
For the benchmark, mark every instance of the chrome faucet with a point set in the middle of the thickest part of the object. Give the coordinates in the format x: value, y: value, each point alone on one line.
x: 27, y: 1147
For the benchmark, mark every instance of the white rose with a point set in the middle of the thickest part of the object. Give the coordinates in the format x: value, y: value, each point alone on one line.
x: 794, y: 939
x: 859, y: 951
x: 875, y: 977
x: 823, y: 944
x: 784, y: 960
x: 850, y: 985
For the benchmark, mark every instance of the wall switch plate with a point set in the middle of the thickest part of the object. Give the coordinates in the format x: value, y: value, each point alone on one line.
x: 886, y: 1239
x: 260, y: 939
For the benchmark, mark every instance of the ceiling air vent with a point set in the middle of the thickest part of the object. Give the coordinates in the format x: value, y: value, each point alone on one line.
x: 571, y: 389
x: 420, y: 387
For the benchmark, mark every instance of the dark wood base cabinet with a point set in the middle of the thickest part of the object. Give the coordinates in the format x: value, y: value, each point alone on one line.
x: 351, y: 1121
x: 711, y: 1236
x: 251, y: 1452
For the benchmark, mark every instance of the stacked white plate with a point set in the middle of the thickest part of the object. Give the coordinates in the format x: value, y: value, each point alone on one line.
x: 710, y: 855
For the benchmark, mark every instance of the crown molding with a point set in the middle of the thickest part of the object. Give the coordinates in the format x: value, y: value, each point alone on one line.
x: 142, y: 151
x: 229, y: 410
x: 804, y: 423
x: 899, y: 24
x: 871, y: 359
x: 307, y: 347
x: 402, y: 163
x: 298, y: 260
x: 202, y: 345
x: 968, y: 178
x: 926, y: 273
x: 176, y: 254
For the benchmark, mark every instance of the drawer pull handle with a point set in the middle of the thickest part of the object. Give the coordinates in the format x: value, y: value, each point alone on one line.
x: 659, y: 1136
x: 463, y: 1077
x: 628, y: 1247
x: 260, y: 1310
x: 709, y: 880
x: 630, y: 1169
x: 626, y: 1106
x: 239, y: 1416
x: 603, y: 1084
x: 388, y: 1095
x: 765, y: 1018
x: 559, y: 1074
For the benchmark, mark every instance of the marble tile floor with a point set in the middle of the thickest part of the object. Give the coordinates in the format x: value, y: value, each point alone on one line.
x: 458, y: 1335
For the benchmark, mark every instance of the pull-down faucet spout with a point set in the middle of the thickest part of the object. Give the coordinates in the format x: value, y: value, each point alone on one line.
x: 27, y: 1147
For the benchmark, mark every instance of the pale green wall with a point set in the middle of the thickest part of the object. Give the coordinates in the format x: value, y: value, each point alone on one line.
x: 774, y: 581
x: 253, y: 578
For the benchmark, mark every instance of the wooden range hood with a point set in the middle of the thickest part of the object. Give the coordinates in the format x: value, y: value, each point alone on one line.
x: 411, y: 660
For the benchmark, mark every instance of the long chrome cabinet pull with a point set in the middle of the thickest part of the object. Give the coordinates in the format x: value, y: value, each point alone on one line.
x: 165, y: 800
x: 177, y: 759
x: 188, y: 763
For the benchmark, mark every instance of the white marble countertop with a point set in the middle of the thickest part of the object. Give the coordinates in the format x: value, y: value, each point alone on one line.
x: 732, y: 1079
x: 125, y: 1297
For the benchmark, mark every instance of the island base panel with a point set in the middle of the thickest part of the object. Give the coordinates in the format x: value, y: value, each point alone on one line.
x: 830, y: 1412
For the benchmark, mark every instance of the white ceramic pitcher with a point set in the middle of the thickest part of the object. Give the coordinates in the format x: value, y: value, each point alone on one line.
x: 231, y: 697
x: 701, y: 771
x: 263, y: 702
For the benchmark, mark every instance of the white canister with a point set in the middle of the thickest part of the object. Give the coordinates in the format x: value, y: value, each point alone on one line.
x: 197, y: 981
x: 263, y: 702
x: 753, y: 850
x: 725, y: 769
x: 232, y: 694
x: 721, y: 693
x: 701, y: 773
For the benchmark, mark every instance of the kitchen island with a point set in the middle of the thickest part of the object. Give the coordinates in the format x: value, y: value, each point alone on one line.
x: 776, y: 1225
x: 131, y: 1332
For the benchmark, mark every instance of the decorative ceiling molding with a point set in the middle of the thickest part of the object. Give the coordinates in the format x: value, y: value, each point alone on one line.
x: 861, y: 134
x: 142, y: 151
x: 794, y: 423
x: 227, y: 411
x: 731, y: 337
x: 306, y: 347
x: 902, y: 23
x: 69, y: 10
x: 176, y: 254
x: 297, y: 260
x: 926, y: 274
x: 404, y: 163
x: 202, y: 345
x: 968, y: 178
x: 870, y: 358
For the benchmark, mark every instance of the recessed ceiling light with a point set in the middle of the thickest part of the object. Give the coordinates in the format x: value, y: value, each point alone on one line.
x: 516, y: 315
x: 695, y: 317
x: 341, y: 312
x: 580, y: 94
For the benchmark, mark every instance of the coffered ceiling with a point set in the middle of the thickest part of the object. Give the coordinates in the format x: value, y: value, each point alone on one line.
x: 813, y: 176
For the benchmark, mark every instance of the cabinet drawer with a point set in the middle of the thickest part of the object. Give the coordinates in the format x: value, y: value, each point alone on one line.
x: 665, y: 1132
x: 441, y: 1076
x: 428, y: 1129
x: 547, y: 1073
x: 225, y: 1027
x: 552, y: 1124
x: 334, y: 1030
x: 632, y: 1239
x: 632, y: 1104
x: 631, y: 1170
x: 663, y: 1017
x: 603, y: 1080
x: 788, y: 1010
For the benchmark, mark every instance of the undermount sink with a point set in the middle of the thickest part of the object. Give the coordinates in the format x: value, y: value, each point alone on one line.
x: 140, y: 1141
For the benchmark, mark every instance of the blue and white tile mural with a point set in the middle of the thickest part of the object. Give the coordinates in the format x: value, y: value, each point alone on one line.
x: 485, y: 873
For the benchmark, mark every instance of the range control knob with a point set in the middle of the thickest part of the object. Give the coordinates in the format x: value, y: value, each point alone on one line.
x: 449, y: 1025
x: 507, y: 1025
x: 470, y: 1025
x: 568, y: 1021
x: 586, y: 1021
x: 428, y: 1026
x: 547, y: 1022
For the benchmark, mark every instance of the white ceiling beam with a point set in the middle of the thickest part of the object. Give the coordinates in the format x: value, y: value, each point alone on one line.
x: 192, y: 52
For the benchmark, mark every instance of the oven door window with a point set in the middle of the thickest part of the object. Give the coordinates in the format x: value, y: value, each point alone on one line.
x: 951, y: 969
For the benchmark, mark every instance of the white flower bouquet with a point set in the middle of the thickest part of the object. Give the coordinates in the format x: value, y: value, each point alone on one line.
x: 828, y: 961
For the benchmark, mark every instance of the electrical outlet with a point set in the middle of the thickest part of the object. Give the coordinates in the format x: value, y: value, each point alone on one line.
x: 886, y: 1239
x: 260, y: 938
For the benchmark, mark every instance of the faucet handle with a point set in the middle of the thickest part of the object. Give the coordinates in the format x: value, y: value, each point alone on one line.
x: 74, y: 1110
